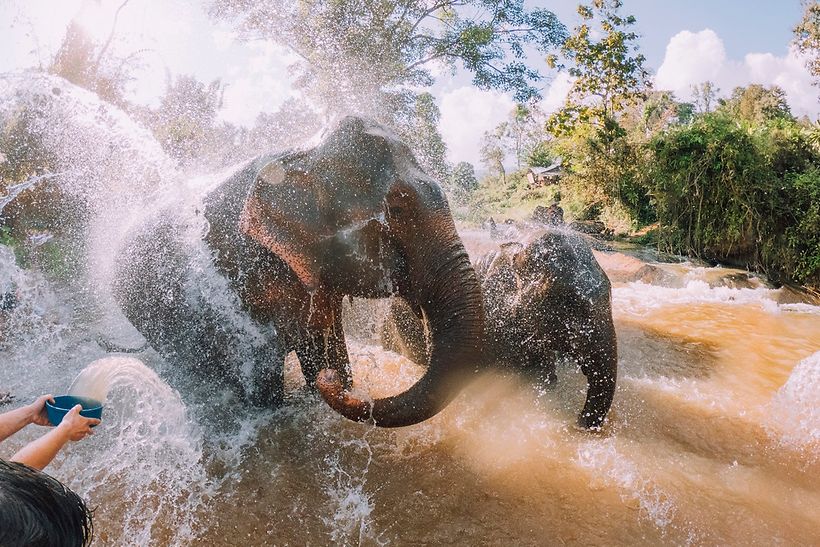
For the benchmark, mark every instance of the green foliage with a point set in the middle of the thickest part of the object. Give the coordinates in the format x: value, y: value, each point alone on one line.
x: 493, y: 153
x: 739, y: 192
x: 609, y: 73
x: 286, y: 128
x: 463, y: 177
x: 758, y: 104
x: 420, y: 132
x: 185, y: 121
x: 518, y: 136
x: 364, y: 56
x: 807, y: 37
x: 705, y: 96
x: 541, y: 155
x: 512, y: 199
x: 801, y: 254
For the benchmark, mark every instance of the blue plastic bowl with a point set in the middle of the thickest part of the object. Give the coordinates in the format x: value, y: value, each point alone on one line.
x: 92, y: 408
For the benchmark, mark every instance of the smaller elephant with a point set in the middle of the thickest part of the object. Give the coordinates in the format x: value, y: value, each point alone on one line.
x: 543, y: 300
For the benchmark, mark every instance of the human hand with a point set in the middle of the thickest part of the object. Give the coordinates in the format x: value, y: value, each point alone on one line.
x: 76, y: 427
x: 37, y: 410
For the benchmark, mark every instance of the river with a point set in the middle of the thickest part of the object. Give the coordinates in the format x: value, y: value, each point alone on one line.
x: 713, y: 438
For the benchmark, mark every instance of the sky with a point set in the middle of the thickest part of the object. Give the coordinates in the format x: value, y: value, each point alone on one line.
x: 729, y: 42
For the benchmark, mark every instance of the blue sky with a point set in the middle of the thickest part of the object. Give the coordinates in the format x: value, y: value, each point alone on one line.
x: 731, y: 42
x: 746, y: 26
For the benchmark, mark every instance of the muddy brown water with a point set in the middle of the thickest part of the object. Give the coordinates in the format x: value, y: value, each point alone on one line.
x: 713, y: 439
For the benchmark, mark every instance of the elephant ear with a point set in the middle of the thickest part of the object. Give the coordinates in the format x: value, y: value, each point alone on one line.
x: 282, y: 215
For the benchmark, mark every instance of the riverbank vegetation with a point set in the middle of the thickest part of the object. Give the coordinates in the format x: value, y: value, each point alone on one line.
x: 733, y: 180
x: 728, y: 177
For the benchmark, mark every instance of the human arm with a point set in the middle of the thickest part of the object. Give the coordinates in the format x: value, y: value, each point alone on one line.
x: 39, y: 453
x: 14, y: 420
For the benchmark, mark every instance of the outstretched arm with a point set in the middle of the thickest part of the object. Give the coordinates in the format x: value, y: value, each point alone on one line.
x: 14, y: 420
x: 39, y: 453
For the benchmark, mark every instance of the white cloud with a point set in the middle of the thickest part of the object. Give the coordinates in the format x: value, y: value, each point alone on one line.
x: 557, y: 93
x: 466, y: 113
x: 789, y: 73
x: 694, y: 57
x: 691, y: 58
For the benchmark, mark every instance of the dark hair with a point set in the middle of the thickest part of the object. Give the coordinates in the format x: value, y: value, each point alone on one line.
x: 36, y: 510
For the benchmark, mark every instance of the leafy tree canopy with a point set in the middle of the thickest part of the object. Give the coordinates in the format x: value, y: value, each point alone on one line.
x: 364, y: 55
x: 807, y: 37
x: 463, y: 177
x: 756, y: 103
x: 609, y: 73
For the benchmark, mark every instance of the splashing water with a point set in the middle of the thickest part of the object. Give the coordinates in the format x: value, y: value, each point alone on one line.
x: 713, y: 435
x: 145, y: 470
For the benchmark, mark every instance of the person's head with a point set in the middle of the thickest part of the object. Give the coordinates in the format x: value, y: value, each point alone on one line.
x: 37, y: 510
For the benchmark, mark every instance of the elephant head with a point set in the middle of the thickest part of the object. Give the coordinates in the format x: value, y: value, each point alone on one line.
x: 357, y: 216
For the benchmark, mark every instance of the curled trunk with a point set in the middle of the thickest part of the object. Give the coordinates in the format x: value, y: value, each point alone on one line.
x: 444, y: 284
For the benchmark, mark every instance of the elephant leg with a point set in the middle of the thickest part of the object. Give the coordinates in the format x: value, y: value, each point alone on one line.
x: 541, y: 365
x: 598, y: 356
x: 268, y: 377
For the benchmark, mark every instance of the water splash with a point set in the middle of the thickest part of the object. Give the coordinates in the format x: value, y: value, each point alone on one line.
x: 15, y: 190
x: 143, y: 468
x: 608, y: 465
x: 640, y: 298
x: 795, y: 408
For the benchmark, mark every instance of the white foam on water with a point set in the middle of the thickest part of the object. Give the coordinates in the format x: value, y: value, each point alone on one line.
x: 603, y: 459
x: 640, y: 299
x: 38, y: 317
x: 795, y: 408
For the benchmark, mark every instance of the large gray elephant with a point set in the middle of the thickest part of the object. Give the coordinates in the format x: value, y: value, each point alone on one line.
x: 545, y: 299
x: 284, y: 240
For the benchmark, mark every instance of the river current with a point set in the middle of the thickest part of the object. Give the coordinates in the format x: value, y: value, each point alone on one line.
x: 713, y: 437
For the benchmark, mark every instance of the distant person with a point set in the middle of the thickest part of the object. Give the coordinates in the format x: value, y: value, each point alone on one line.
x: 36, y: 509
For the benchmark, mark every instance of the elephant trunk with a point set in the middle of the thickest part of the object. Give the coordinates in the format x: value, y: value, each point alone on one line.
x: 444, y: 284
x: 601, y: 370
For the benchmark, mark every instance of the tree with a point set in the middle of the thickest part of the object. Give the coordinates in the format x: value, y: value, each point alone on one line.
x: 757, y: 104
x: 83, y: 63
x: 420, y: 131
x: 609, y: 73
x: 523, y: 132
x: 684, y: 112
x: 493, y: 154
x: 704, y: 96
x: 807, y: 37
x: 185, y: 122
x: 288, y: 127
x: 541, y: 155
x: 463, y: 177
x: 658, y: 111
x: 609, y: 79
x: 365, y: 56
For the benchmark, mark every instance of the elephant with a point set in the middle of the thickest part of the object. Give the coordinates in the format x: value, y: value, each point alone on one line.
x: 544, y: 299
x: 259, y: 267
